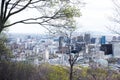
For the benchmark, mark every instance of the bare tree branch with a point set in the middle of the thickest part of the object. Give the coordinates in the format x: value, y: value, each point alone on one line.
x: 2, y: 9
x: 113, y: 30
x: 6, y: 8
x: 28, y: 21
x: 115, y: 18
x: 10, y: 8
x: 17, y: 11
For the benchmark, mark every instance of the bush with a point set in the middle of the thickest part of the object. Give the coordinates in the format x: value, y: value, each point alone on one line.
x: 5, y: 53
x: 24, y: 71
x: 16, y: 71
x: 52, y: 72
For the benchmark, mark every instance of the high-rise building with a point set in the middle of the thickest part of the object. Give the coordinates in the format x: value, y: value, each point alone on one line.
x: 93, y: 40
x: 107, y: 48
x: 46, y: 55
x: 103, y: 40
x: 87, y: 38
x: 61, y: 40
x: 80, y: 39
x: 116, y: 49
x: 114, y: 38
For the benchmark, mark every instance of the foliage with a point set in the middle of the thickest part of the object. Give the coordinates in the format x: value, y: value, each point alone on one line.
x: 52, y: 72
x: 24, y: 71
x: 15, y: 71
x: 5, y: 53
x: 96, y: 74
x: 71, y: 11
x: 49, y: 11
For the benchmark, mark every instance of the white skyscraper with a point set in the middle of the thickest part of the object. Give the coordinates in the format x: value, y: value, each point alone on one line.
x: 46, y: 55
x: 116, y: 49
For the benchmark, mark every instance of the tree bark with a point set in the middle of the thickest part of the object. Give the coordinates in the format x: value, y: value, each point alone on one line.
x: 1, y: 28
x: 71, y: 72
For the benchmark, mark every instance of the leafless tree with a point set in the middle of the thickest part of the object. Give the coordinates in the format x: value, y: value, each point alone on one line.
x: 115, y: 18
x: 67, y: 31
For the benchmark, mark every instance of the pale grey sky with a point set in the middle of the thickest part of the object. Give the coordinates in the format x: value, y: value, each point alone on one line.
x: 95, y: 15
x: 94, y: 18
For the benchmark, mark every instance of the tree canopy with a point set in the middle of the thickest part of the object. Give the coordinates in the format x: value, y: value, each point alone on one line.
x: 50, y: 11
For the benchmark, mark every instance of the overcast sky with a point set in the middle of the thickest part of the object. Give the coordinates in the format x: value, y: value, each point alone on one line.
x: 94, y: 18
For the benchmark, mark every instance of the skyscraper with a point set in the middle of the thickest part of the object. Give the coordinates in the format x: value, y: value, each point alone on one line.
x: 80, y: 39
x: 93, y: 40
x: 87, y: 38
x: 103, y: 40
x: 61, y: 40
x: 114, y: 38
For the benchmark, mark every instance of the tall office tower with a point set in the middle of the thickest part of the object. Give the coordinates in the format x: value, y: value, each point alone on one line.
x: 116, y: 49
x: 114, y: 38
x: 87, y: 38
x: 93, y: 40
x: 80, y: 39
x: 61, y: 41
x: 46, y: 57
x: 103, y: 40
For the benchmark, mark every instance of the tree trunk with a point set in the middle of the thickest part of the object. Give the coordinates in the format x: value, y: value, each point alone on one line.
x: 1, y: 26
x: 71, y: 72
x: 1, y: 29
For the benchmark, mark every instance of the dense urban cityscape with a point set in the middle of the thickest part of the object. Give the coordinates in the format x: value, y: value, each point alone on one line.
x: 37, y: 49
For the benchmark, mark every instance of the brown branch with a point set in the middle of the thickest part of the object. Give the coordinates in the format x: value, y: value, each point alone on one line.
x: 75, y: 58
x: 17, y: 11
x: 30, y: 19
x: 112, y: 30
x: 37, y: 1
x: 20, y: 5
x: 47, y: 29
x: 21, y: 8
x: 2, y: 9
x: 26, y: 21
x: 116, y: 3
x: 14, y: 5
x: 6, y: 9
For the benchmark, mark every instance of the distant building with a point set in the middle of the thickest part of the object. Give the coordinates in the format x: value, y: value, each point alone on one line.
x: 119, y: 38
x: 46, y: 55
x: 79, y: 46
x: 87, y: 38
x: 116, y: 49
x: 61, y: 41
x: 111, y: 49
x: 74, y: 40
x: 114, y: 38
x: 18, y: 40
x: 80, y: 39
x: 93, y: 40
x: 107, y: 48
x: 103, y: 40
